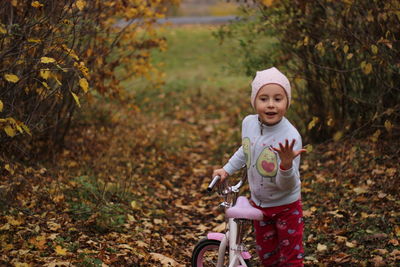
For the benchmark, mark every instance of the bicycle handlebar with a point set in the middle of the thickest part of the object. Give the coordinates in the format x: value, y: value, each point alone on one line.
x: 217, y: 179
x: 213, y: 183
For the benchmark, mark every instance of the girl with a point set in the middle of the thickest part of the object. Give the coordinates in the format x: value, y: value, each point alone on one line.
x: 270, y: 149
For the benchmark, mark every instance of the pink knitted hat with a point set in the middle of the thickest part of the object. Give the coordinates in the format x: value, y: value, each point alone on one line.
x: 272, y: 75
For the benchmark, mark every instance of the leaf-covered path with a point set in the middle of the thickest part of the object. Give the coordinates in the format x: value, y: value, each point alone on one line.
x: 142, y: 175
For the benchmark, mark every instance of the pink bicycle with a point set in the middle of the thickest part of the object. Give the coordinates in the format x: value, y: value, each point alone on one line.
x: 227, y: 249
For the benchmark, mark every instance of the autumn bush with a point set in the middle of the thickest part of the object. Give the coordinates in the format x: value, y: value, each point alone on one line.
x: 341, y: 56
x: 55, y: 53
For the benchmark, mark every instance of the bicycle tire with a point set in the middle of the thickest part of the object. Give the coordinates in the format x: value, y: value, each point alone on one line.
x: 205, y: 254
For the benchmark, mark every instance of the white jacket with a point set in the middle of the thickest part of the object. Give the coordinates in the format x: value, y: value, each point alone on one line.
x: 270, y: 186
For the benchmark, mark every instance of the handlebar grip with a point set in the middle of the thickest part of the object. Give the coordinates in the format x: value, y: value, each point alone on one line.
x: 213, y: 183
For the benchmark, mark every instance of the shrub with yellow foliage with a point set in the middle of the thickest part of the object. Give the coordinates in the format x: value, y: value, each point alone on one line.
x: 54, y: 53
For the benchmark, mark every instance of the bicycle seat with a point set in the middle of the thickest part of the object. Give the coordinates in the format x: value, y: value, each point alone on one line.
x: 243, y: 210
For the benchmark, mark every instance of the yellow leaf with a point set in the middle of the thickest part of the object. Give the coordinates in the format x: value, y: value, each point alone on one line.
x: 2, y: 29
x: 309, y: 148
x: 83, y: 83
x: 60, y: 251
x: 8, y: 168
x: 1, y: 106
x: 320, y: 47
x: 36, y: 4
x: 131, y: 218
x: 9, y: 131
x: 366, y: 67
x: 57, y: 80
x: 346, y: 49
x: 134, y: 205
x: 330, y: 122
x: 13, y: 221
x: 349, y: 56
x: 388, y: 126
x: 19, y: 128
x: 374, y: 49
x: 34, y: 40
x: 313, y: 122
x: 26, y: 129
x: 76, y: 98
x: 321, y: 247
x: 11, y: 78
x: 44, y: 73
x: 374, y: 138
x: 46, y: 85
x: 80, y: 4
x: 267, y: 3
x: 5, y: 227
x: 337, y: 136
x: 47, y: 60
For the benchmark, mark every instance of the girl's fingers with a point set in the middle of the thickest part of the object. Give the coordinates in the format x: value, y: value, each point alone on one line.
x: 292, y: 144
x: 276, y: 149
x: 281, y: 146
x: 298, y: 152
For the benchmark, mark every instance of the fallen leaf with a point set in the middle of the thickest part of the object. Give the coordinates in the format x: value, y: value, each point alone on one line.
x: 340, y: 239
x: 381, y: 251
x: 351, y: 244
x: 321, y: 247
x: 378, y: 261
x: 336, y: 214
x: 60, y: 251
x: 360, y: 190
x: 141, y: 244
x: 165, y: 261
x: 219, y: 228
x: 58, y: 264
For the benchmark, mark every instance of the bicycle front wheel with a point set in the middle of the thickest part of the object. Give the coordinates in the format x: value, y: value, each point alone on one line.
x: 205, y: 254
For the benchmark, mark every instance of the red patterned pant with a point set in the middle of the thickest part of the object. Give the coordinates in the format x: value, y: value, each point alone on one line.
x: 279, y: 236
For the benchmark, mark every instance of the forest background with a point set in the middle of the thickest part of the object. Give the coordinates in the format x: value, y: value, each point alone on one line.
x: 107, y: 133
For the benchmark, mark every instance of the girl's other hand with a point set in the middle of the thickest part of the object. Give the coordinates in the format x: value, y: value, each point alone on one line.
x: 287, y: 154
x: 221, y: 172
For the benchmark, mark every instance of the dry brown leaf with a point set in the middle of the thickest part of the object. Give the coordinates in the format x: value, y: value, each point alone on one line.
x: 378, y: 261
x: 361, y: 190
x: 165, y: 261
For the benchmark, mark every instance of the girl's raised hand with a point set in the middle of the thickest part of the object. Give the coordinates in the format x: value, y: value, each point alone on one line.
x: 287, y: 154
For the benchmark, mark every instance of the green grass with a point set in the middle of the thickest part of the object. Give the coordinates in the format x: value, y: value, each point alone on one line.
x: 194, y: 62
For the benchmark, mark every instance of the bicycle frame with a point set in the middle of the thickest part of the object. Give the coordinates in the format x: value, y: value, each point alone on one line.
x: 232, y: 238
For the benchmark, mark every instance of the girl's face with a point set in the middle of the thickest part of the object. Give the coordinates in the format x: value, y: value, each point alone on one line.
x: 271, y: 103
